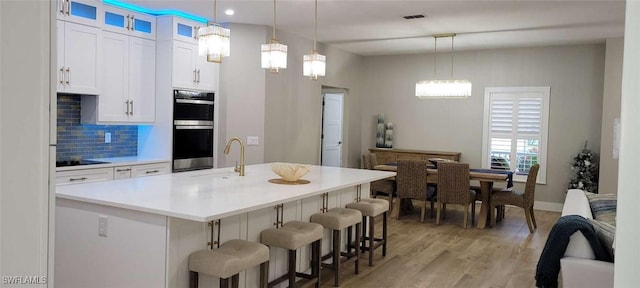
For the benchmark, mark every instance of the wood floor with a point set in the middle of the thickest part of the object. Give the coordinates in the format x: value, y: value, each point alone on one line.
x: 426, y: 255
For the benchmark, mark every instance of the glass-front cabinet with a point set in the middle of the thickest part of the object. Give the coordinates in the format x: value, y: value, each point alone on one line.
x: 86, y: 12
x: 129, y: 23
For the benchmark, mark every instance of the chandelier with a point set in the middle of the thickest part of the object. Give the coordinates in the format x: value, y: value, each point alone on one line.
x: 214, y: 40
x: 314, y: 64
x: 274, y: 54
x: 430, y: 89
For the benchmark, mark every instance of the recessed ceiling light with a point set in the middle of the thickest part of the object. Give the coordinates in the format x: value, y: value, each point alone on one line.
x: 229, y: 12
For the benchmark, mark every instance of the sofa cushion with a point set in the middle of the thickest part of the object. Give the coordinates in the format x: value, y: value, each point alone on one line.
x: 606, y: 232
x: 603, y: 207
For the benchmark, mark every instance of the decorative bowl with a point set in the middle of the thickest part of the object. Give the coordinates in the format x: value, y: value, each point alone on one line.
x: 290, y: 172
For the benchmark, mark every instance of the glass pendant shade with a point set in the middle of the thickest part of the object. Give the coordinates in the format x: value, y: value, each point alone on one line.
x: 431, y: 89
x: 274, y: 56
x: 214, y: 42
x: 314, y: 65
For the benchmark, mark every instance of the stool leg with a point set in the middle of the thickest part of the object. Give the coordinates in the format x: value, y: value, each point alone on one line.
x: 336, y: 256
x: 193, y: 279
x: 358, y: 250
x: 235, y: 281
x: 315, y: 261
x: 363, y: 244
x: 264, y: 274
x: 384, y: 233
x: 372, y: 225
x: 292, y: 268
x: 349, y: 232
x: 224, y: 282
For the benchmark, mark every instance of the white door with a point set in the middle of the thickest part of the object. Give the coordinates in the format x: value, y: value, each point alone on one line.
x: 332, y: 129
x: 112, y: 105
x: 81, y: 57
x: 142, y: 79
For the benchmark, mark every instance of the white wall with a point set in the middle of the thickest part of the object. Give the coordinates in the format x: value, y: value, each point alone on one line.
x: 293, y: 122
x: 242, y: 95
x: 24, y: 138
x: 628, y: 230
x: 608, y: 176
x: 574, y: 73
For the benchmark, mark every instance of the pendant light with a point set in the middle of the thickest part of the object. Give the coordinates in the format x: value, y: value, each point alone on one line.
x: 430, y: 89
x: 314, y: 64
x: 214, y: 40
x: 274, y: 54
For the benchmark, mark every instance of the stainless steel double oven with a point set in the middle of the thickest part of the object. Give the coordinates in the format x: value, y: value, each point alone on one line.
x: 192, y: 130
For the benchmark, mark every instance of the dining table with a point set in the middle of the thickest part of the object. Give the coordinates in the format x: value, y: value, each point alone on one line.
x: 486, y: 177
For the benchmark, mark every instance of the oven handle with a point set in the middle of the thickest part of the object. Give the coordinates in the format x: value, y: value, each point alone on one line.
x: 194, y: 127
x: 194, y: 101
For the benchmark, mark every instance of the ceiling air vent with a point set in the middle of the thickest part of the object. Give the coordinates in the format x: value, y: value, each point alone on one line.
x: 413, y: 16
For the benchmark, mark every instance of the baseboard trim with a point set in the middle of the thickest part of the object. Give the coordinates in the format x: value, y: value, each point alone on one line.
x: 547, y: 206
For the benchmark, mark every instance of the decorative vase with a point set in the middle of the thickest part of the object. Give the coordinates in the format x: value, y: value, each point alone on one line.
x: 380, y: 131
x: 388, y: 140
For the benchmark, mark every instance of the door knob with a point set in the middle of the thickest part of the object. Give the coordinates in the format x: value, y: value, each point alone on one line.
x: 339, y: 142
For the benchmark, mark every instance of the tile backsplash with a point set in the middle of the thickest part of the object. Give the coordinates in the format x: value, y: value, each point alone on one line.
x: 87, y: 141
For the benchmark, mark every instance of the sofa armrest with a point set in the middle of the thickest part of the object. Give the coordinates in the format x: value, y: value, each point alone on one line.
x: 577, y: 272
x: 576, y: 203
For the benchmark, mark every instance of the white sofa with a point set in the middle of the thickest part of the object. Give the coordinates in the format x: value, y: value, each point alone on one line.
x: 578, y: 266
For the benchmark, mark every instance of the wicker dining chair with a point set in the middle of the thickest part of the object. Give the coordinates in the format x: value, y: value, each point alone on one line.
x: 453, y: 188
x: 411, y: 179
x: 384, y: 187
x: 523, y: 200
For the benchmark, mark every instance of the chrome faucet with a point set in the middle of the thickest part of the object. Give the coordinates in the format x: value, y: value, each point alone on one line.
x: 226, y: 151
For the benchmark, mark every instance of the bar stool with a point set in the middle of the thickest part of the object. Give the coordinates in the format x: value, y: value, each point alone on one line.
x: 291, y: 236
x: 228, y: 261
x: 371, y: 208
x: 338, y: 219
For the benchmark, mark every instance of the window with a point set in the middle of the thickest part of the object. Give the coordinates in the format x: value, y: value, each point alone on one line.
x: 515, y: 129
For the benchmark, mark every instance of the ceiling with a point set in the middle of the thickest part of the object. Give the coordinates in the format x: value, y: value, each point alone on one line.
x: 377, y: 27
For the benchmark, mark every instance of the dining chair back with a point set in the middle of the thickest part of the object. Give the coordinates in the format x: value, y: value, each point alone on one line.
x: 384, y: 187
x: 523, y: 200
x: 411, y: 181
x: 453, y: 188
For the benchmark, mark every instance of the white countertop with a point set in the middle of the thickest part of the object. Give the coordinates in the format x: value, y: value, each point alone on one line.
x: 113, y: 162
x: 206, y: 195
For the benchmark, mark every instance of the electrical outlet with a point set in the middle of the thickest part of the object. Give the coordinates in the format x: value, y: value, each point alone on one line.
x: 253, y: 140
x: 103, y: 223
x: 107, y: 137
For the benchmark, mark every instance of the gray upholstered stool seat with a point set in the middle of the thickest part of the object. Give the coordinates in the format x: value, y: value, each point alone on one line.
x: 338, y: 219
x: 230, y: 259
x: 370, y: 209
x: 291, y: 236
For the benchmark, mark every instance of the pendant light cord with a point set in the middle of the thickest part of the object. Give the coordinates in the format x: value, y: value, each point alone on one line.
x: 215, y: 10
x: 315, y: 25
x: 274, y: 20
x: 435, y: 51
x: 452, y: 57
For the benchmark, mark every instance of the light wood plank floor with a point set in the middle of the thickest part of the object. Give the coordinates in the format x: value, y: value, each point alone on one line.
x: 426, y: 255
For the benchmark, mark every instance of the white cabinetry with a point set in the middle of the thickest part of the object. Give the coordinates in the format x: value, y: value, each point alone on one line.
x: 128, y: 22
x: 78, y: 67
x: 150, y: 169
x: 128, y: 95
x: 86, y: 12
x: 84, y: 176
x: 192, y: 71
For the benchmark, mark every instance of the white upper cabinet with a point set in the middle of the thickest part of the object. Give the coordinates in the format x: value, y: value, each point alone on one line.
x: 87, y: 12
x: 130, y: 23
x: 180, y: 29
x: 191, y: 71
x: 79, y: 50
x: 129, y: 74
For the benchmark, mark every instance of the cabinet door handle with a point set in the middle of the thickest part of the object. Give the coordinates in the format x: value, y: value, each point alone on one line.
x: 127, y: 103
x: 62, y: 75
x: 195, y: 32
x: 68, y: 7
x: 68, y: 79
x: 77, y: 179
x: 133, y: 22
x: 198, y: 75
x: 194, y: 76
x: 152, y: 171
x: 128, y: 22
x: 63, y: 3
x: 123, y: 170
x: 131, y: 102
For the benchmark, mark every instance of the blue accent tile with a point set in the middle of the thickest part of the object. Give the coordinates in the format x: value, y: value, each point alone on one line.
x: 87, y: 141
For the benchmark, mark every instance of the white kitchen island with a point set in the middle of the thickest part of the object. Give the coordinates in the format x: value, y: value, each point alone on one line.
x: 139, y: 232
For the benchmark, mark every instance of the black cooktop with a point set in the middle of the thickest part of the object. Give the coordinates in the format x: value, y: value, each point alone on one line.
x: 77, y: 162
